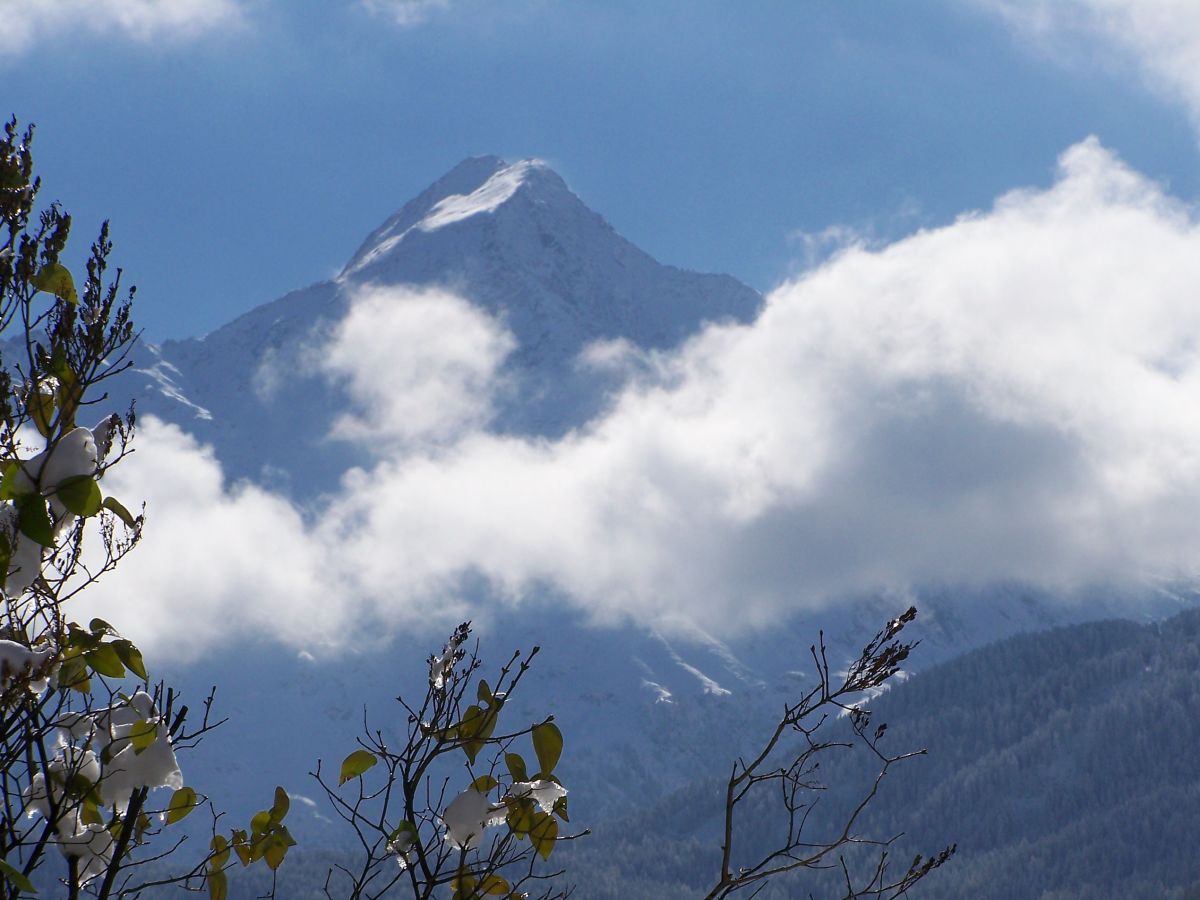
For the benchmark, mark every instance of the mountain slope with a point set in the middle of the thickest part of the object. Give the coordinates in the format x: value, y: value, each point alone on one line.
x: 511, y: 239
x: 1061, y: 763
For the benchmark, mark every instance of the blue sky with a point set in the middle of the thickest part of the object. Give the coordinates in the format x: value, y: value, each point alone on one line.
x: 243, y: 149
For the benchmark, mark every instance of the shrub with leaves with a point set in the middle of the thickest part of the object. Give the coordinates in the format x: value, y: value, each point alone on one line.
x: 458, y: 804
x: 88, y: 767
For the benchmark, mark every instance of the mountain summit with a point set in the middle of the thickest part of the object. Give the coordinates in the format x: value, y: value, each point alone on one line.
x: 511, y: 239
x: 518, y: 242
x: 476, y: 186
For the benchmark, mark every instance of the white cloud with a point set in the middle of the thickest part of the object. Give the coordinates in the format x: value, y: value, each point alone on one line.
x: 1013, y: 396
x: 1161, y: 36
x: 216, y: 560
x: 405, y: 13
x: 24, y: 23
x: 419, y: 366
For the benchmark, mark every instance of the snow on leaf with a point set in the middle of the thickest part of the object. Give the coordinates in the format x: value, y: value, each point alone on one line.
x: 543, y: 792
x: 466, y: 818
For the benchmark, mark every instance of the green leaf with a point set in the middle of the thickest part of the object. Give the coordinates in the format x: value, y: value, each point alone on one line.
x: 472, y: 723
x: 113, y: 505
x: 141, y: 827
x: 73, y: 674
x: 78, y: 786
x: 81, y: 495
x: 16, y: 877
x: 99, y: 626
x: 56, y: 279
x: 474, y: 730
x: 183, y: 801
x: 543, y: 834
x: 560, y: 809
x: 282, y: 804
x: 104, y: 660
x: 464, y: 884
x: 277, y: 848
x: 89, y: 813
x: 41, y: 410
x: 261, y: 822
x: 274, y: 854
x: 220, y: 848
x: 78, y: 639
x: 8, y: 484
x: 495, y: 885
x: 516, y: 766
x: 218, y: 885
x: 520, y: 817
x: 70, y: 393
x: 355, y: 764
x: 142, y: 735
x: 34, y: 521
x: 483, y: 693
x: 131, y: 656
x: 548, y: 744
x: 484, y: 783
x: 240, y: 847
x: 11, y: 178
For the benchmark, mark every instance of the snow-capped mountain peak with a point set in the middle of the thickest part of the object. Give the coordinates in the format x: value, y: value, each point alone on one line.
x: 484, y: 199
x: 513, y: 240
x: 517, y: 242
x: 477, y: 186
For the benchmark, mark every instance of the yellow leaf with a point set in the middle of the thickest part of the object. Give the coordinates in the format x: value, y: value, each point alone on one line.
x: 183, y: 801
x: 355, y: 764
x: 56, y: 279
x: 544, y: 834
x: 494, y: 884
x: 218, y: 886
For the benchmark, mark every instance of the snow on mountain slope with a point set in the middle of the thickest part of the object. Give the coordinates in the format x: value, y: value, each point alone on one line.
x: 486, y: 198
x: 525, y: 247
x: 513, y: 240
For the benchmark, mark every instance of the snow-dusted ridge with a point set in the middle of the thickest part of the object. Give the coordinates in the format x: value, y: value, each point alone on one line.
x: 484, y: 199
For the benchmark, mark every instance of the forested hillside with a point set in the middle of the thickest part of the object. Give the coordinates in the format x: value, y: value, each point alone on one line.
x: 1062, y: 763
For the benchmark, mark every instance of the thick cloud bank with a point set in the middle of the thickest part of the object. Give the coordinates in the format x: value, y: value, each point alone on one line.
x: 1014, y: 396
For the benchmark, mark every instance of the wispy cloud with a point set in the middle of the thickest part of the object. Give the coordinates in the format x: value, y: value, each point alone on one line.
x: 1161, y: 36
x: 1012, y: 396
x: 25, y: 23
x: 405, y: 13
